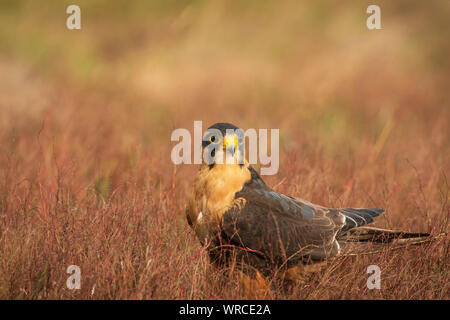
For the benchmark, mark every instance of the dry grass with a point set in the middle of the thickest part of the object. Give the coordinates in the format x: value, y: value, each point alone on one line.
x: 86, y: 117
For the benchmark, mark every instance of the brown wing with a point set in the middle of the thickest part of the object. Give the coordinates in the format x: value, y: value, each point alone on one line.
x: 281, y: 228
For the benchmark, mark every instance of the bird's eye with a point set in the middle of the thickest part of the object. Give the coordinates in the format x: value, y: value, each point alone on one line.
x: 213, y: 139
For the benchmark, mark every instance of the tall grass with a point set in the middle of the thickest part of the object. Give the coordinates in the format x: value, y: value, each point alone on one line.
x: 86, y: 116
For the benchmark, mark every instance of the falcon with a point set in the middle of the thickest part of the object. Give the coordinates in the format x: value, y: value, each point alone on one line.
x: 243, y: 222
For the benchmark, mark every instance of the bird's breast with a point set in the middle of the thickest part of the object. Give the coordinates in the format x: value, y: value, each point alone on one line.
x: 214, y: 194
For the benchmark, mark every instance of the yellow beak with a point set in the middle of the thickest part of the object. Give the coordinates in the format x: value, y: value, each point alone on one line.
x: 230, y: 143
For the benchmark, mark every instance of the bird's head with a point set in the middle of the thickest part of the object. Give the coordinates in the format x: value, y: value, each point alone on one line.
x: 223, y: 143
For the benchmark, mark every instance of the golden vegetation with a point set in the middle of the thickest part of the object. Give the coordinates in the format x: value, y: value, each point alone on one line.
x: 86, y: 116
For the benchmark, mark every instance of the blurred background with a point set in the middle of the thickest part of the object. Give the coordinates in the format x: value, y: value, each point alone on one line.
x: 363, y: 114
